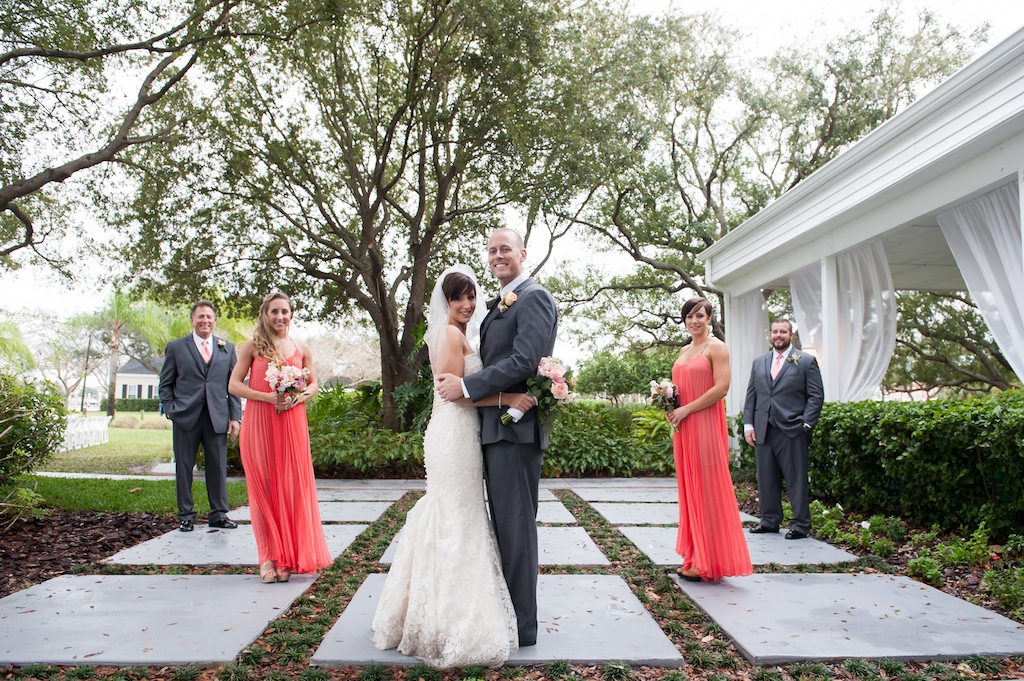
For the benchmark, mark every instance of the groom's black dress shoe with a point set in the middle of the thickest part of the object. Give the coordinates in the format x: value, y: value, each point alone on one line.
x: 185, y: 526
x: 224, y: 524
x: 796, y: 534
x: 761, y: 529
x: 527, y: 644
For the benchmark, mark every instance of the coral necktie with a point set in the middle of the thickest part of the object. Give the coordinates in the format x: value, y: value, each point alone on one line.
x: 206, y: 350
x: 777, y: 366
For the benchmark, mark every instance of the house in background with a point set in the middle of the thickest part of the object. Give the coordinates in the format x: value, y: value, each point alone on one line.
x: 136, y: 381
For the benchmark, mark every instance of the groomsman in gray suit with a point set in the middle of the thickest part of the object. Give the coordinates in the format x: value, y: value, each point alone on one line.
x: 784, y: 398
x: 517, y: 332
x: 194, y: 395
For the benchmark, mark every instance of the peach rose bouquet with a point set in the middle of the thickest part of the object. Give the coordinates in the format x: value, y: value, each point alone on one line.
x: 551, y: 387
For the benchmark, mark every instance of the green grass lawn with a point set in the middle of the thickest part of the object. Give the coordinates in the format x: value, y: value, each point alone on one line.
x: 130, y: 451
x: 125, y: 496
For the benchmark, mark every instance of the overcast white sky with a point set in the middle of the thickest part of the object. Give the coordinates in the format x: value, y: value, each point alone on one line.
x: 768, y: 25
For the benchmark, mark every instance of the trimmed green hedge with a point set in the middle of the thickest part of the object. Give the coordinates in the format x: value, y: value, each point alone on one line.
x: 589, y: 440
x: 955, y: 463
x: 586, y: 440
x: 133, y: 404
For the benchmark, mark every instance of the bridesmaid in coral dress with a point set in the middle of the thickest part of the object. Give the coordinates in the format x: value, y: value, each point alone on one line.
x: 711, y: 539
x: 274, y: 442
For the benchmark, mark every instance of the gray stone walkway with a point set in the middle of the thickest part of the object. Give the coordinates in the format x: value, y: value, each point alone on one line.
x: 773, y: 618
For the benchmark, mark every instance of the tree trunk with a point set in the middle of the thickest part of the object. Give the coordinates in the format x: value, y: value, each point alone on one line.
x: 115, y: 358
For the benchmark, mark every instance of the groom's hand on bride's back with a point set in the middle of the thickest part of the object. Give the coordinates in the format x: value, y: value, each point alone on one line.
x: 449, y: 386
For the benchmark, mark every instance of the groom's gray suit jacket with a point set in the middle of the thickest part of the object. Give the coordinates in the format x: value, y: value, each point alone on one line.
x: 512, y: 344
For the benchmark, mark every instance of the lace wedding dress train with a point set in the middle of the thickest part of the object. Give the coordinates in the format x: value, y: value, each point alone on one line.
x: 445, y: 600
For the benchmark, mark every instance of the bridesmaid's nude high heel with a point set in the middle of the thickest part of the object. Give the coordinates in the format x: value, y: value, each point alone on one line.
x: 268, y: 573
x: 284, y: 575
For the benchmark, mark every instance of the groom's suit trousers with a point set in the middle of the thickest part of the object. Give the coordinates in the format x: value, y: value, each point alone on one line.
x: 513, y: 476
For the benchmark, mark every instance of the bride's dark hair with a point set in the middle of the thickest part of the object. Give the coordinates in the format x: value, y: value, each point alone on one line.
x: 457, y: 284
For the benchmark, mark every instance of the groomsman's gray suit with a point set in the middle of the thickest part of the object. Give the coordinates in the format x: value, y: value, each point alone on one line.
x: 195, y: 398
x: 783, y: 411
x: 512, y: 344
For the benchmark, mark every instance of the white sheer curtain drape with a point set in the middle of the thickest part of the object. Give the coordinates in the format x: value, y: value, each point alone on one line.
x: 867, y: 318
x: 985, y: 238
x: 748, y: 336
x: 805, y: 290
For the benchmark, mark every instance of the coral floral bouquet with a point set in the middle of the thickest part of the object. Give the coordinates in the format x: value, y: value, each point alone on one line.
x: 551, y: 386
x: 663, y: 395
x: 288, y: 379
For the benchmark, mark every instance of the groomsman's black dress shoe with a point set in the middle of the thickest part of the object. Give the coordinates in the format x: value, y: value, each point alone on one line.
x: 527, y: 643
x: 185, y: 526
x: 761, y: 529
x: 224, y: 524
x: 796, y: 534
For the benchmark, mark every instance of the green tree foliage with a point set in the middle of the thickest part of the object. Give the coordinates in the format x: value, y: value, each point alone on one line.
x: 614, y: 375
x: 943, y: 345
x: 352, y: 163
x: 15, y: 355
x: 84, y: 81
x: 726, y: 137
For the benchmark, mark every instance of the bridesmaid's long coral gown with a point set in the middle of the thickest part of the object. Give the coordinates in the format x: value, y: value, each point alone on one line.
x: 279, y: 476
x: 711, y: 538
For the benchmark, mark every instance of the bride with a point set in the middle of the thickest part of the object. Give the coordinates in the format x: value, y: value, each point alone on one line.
x: 445, y: 600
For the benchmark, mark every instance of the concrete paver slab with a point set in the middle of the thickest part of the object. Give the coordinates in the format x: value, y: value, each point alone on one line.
x: 568, y: 546
x: 657, y: 495
x: 367, y: 484
x: 646, y: 513
x: 775, y: 619
x: 639, y: 513
x: 151, y: 620
x: 217, y: 547
x: 611, y: 483
x: 360, y: 494
x: 556, y: 545
x: 554, y: 512
x: 334, y: 511
x: 582, y: 618
x: 659, y: 543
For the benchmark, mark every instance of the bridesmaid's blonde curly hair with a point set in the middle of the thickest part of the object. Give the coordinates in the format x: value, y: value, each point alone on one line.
x: 265, y: 343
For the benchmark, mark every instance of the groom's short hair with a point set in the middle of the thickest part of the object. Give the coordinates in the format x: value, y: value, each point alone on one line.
x: 517, y: 236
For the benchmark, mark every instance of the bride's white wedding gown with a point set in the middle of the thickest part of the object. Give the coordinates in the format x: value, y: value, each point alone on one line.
x: 445, y: 600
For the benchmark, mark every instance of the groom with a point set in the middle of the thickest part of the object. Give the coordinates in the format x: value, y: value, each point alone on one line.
x: 517, y: 332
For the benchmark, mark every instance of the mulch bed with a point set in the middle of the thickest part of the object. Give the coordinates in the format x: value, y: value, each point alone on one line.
x: 33, y: 551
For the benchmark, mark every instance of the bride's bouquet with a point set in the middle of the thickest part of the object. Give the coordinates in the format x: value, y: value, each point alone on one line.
x: 551, y: 387
x: 663, y: 395
x: 288, y: 378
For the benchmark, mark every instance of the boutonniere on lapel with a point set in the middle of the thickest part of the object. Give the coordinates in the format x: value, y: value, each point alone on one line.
x: 507, y: 301
x: 794, y: 358
x: 222, y: 345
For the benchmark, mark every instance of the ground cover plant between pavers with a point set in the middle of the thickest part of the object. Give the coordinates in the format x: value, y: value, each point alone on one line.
x: 283, y: 650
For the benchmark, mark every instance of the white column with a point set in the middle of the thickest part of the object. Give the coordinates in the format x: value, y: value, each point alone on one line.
x: 1020, y: 198
x: 738, y: 379
x: 828, y: 353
